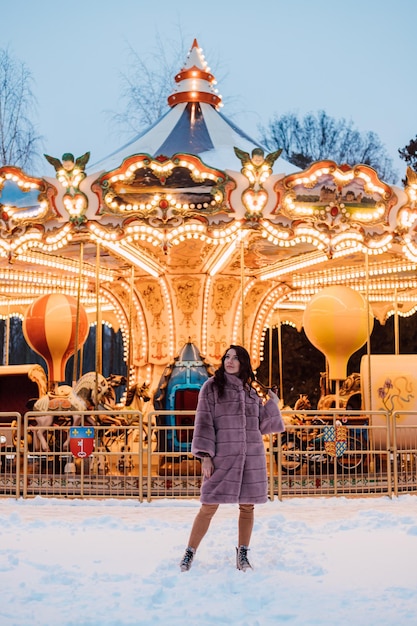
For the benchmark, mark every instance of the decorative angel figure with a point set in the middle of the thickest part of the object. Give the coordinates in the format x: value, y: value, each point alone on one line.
x: 257, y: 168
x: 69, y: 164
x: 70, y: 172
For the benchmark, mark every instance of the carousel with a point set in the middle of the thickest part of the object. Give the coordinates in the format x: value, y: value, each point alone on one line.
x: 193, y: 234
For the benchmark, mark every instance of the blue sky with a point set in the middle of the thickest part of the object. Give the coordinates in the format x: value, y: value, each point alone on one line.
x: 353, y: 59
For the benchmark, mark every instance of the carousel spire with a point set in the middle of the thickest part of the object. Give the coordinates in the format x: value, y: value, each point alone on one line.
x: 194, y: 81
x: 193, y: 125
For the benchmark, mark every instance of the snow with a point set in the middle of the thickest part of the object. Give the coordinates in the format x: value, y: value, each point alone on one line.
x: 113, y: 562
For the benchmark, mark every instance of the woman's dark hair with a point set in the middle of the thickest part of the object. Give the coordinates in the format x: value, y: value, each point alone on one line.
x: 245, y: 372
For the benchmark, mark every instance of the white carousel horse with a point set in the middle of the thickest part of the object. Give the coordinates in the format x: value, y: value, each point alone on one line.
x: 84, y: 396
x: 139, y: 399
x: 137, y: 396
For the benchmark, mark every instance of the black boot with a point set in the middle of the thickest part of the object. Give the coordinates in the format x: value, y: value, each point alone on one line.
x: 187, y: 559
x: 242, y: 561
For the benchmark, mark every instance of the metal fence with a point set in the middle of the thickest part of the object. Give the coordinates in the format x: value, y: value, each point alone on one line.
x: 331, y: 454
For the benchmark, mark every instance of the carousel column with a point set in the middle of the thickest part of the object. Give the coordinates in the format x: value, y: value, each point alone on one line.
x: 280, y: 364
x: 7, y: 326
x: 130, y: 336
x: 396, y: 324
x: 368, y: 390
x: 368, y: 340
x: 99, y: 330
x: 7, y: 336
x: 76, y: 371
x: 242, y: 290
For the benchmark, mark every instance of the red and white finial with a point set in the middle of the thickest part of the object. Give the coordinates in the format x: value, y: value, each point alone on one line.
x: 195, y: 82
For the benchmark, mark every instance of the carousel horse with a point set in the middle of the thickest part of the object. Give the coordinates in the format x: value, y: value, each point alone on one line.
x: 351, y: 387
x: 85, y: 395
x: 302, y: 404
x: 114, y: 381
x: 136, y: 398
x: 108, y: 401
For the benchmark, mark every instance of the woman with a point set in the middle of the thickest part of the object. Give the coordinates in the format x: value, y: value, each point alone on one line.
x: 230, y: 421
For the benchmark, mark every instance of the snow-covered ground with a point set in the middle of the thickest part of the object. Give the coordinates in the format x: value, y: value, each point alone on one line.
x: 316, y: 561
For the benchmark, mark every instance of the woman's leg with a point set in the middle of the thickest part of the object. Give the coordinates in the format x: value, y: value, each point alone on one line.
x: 201, y: 524
x: 199, y: 529
x: 246, y: 518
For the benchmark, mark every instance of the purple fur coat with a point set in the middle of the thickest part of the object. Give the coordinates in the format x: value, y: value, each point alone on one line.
x: 230, y: 430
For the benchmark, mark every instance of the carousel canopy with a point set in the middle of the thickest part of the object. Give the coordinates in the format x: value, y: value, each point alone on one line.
x: 188, y: 234
x: 193, y: 125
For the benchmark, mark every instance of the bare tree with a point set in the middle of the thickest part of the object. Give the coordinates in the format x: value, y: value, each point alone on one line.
x: 148, y: 83
x: 409, y: 153
x: 19, y: 143
x: 318, y: 137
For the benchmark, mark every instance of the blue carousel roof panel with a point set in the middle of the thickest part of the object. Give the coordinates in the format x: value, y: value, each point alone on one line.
x: 239, y: 131
x: 192, y: 128
x: 143, y: 143
x: 189, y: 135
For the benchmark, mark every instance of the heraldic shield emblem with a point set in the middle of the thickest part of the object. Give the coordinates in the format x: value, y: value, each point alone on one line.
x: 81, y: 441
x: 335, y: 440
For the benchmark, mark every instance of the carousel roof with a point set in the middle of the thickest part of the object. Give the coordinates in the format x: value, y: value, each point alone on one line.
x: 173, y: 244
x: 193, y: 125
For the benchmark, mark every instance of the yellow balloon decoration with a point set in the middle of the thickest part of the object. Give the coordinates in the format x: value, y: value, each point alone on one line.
x: 336, y: 322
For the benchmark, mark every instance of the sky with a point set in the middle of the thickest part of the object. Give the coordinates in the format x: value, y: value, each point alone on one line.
x: 316, y: 561
x: 355, y: 60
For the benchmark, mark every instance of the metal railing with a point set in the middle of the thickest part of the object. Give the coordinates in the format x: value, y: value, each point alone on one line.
x: 333, y: 453
x: 10, y: 457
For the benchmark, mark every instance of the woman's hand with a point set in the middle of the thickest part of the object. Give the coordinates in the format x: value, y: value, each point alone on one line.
x: 207, y: 466
x: 273, y: 396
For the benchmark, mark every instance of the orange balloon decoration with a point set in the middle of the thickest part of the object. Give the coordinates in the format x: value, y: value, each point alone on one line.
x: 49, y: 328
x: 336, y: 322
